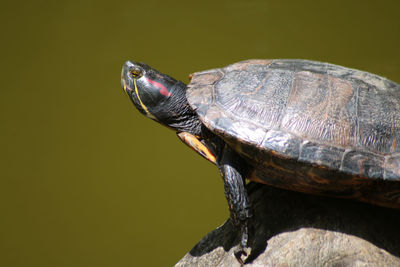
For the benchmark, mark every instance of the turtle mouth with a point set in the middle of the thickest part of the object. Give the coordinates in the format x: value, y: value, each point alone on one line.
x: 123, y: 80
x: 123, y: 84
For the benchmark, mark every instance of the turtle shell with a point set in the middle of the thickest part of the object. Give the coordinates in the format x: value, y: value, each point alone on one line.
x: 303, y: 112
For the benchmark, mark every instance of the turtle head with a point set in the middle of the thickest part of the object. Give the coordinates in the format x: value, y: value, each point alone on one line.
x: 148, y: 89
x: 157, y: 95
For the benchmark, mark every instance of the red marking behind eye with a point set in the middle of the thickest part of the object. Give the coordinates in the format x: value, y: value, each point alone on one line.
x: 163, y: 90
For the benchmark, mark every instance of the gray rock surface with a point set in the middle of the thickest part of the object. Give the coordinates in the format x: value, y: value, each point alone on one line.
x: 295, y: 229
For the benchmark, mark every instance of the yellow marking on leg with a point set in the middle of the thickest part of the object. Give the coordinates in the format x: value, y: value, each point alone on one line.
x: 194, y: 143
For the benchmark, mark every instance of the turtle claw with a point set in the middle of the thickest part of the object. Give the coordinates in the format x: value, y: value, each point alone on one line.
x: 239, y: 253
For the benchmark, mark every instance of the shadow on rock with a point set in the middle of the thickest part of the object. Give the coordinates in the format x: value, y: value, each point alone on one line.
x: 278, y: 212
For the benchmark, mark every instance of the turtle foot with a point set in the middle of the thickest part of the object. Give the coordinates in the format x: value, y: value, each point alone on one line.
x: 241, y: 255
x: 243, y: 250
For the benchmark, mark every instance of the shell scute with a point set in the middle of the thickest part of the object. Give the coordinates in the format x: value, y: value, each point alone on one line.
x: 378, y: 118
x: 200, y: 89
x: 315, y: 109
x: 246, y: 95
x: 282, y: 143
x: 392, y: 168
x: 324, y: 155
x: 201, y: 95
x: 363, y: 163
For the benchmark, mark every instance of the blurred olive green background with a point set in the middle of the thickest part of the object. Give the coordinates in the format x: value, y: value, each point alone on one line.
x: 88, y: 181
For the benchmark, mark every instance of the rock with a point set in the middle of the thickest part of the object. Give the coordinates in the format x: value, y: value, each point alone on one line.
x: 296, y: 229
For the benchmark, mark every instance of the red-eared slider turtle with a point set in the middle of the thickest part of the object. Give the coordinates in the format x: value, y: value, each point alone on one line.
x: 301, y: 125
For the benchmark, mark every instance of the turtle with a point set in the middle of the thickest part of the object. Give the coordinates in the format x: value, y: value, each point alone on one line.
x: 295, y: 124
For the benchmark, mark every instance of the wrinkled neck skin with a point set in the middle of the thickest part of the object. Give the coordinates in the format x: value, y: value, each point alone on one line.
x: 181, y: 117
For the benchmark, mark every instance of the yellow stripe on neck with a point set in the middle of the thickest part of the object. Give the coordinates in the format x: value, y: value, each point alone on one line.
x: 148, y: 114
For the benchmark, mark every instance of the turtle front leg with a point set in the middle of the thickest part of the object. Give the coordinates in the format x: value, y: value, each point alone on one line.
x: 232, y: 167
x: 194, y: 143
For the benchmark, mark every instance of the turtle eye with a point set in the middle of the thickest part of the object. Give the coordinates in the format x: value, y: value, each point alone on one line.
x: 136, y: 72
